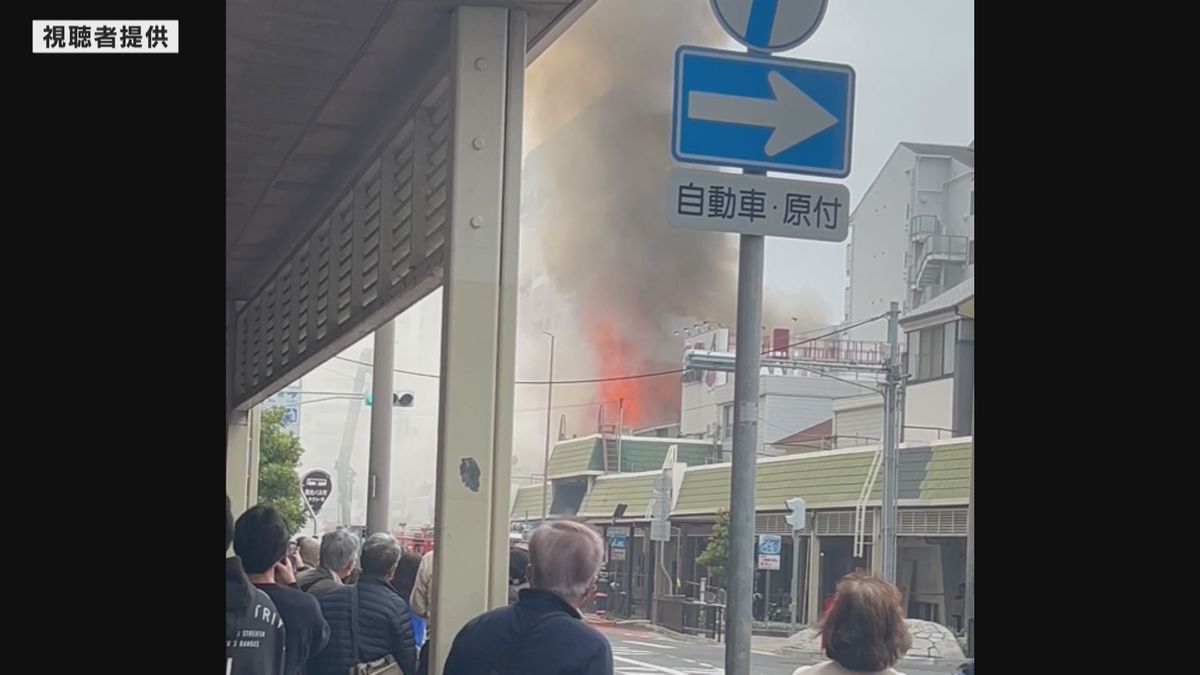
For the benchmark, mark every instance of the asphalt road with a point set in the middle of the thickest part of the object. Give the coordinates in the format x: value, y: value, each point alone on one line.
x: 644, y: 652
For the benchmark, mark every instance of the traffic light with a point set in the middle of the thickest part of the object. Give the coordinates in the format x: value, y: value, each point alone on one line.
x: 796, y: 515
x: 400, y: 399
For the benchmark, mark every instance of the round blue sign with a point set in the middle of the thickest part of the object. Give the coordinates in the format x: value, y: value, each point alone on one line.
x: 770, y: 25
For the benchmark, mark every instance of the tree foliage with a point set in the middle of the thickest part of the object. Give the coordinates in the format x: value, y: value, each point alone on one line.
x: 278, y: 481
x: 716, y: 555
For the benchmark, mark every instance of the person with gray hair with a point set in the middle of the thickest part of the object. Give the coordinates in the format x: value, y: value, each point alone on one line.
x: 338, y: 550
x: 369, y: 622
x: 543, y: 633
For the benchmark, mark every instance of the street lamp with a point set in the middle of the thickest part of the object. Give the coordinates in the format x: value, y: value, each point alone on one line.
x: 549, y: 398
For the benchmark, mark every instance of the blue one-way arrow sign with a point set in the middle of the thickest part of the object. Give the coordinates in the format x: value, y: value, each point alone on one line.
x: 762, y: 112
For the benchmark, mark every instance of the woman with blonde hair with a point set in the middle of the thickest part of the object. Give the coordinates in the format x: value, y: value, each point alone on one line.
x: 864, y: 631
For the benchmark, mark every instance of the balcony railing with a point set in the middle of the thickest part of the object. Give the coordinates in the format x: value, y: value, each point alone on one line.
x: 832, y: 350
x: 921, y: 226
x: 937, y: 248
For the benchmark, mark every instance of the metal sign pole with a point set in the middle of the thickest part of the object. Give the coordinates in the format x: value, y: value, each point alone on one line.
x: 891, y: 472
x: 795, y: 579
x: 739, y: 617
x: 710, y: 126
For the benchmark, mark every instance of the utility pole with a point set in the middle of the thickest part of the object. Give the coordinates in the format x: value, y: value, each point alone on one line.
x: 342, y: 467
x: 546, y: 456
x: 715, y: 123
x: 969, y: 600
x: 891, y: 466
x: 380, y: 460
x: 745, y: 440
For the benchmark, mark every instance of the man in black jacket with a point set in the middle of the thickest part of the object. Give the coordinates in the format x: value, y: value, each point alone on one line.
x: 260, y: 540
x: 384, y: 625
x: 543, y: 634
x: 254, y: 633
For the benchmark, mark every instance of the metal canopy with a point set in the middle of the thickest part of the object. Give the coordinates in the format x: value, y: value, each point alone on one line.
x: 311, y: 87
x: 336, y: 161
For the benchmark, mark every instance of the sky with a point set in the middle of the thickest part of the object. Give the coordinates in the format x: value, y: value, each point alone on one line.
x: 914, y: 61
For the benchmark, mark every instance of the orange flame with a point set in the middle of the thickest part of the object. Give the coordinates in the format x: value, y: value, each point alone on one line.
x: 647, y: 400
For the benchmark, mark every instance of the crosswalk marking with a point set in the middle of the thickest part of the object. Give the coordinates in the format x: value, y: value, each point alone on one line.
x: 648, y: 644
x: 644, y: 668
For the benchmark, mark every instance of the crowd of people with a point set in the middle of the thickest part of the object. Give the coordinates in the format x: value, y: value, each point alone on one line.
x: 333, y: 607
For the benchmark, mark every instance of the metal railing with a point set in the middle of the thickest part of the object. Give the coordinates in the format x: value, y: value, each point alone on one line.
x: 690, y: 617
x: 849, y: 351
x: 946, y: 246
x: 920, y: 226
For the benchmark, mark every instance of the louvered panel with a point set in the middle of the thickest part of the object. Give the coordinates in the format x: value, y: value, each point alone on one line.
x: 399, y: 168
x: 304, y: 298
x: 369, y: 211
x: 380, y: 244
x: 840, y: 523
x: 343, y: 252
x: 285, y: 331
x: 931, y: 523
x: 321, y: 258
x: 437, y: 171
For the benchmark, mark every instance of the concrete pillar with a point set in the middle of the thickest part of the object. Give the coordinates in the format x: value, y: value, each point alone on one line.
x: 241, y: 459
x: 379, y: 461
x: 813, y: 581
x: 237, y: 460
x: 252, y: 457
x: 478, y: 321
x: 876, y: 549
x: 964, y: 379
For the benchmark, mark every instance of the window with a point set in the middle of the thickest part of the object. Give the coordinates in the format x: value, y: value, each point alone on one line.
x: 727, y: 422
x: 951, y: 336
x: 931, y: 352
x: 972, y: 202
x: 914, y: 348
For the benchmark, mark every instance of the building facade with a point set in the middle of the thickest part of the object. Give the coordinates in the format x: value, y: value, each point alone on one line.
x: 912, y: 235
x: 843, y: 497
x: 791, y: 400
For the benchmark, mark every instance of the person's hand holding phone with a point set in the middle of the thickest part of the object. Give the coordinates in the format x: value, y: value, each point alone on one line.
x: 294, y: 558
x: 284, y: 575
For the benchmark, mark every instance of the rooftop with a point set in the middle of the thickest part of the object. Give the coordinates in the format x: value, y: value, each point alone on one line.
x: 960, y: 153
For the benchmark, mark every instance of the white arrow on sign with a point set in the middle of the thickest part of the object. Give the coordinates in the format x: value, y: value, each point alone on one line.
x: 792, y: 114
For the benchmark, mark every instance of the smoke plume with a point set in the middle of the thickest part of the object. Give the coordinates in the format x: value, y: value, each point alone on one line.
x: 597, y: 158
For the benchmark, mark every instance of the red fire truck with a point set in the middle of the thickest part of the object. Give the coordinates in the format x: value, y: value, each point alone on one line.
x: 415, y: 538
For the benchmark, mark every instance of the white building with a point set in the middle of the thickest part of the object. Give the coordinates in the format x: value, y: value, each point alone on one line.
x: 913, y: 242
x: 912, y: 235
x: 940, y: 368
x: 788, y: 402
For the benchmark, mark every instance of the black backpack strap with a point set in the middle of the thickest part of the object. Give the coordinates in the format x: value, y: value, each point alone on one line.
x: 354, y: 623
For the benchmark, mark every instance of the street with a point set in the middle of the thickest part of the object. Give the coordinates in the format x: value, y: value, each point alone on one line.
x: 644, y: 652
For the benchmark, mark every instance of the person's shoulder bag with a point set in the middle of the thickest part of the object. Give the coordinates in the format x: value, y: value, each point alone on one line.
x: 385, y: 666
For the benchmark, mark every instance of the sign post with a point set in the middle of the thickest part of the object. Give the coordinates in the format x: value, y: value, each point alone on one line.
x: 316, y: 485
x: 660, y: 509
x: 757, y: 112
x: 770, y: 548
x: 796, y: 518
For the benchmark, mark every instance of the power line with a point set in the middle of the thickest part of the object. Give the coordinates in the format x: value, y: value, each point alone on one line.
x: 348, y: 396
x: 837, y: 329
x: 398, y: 370
x: 638, y: 376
